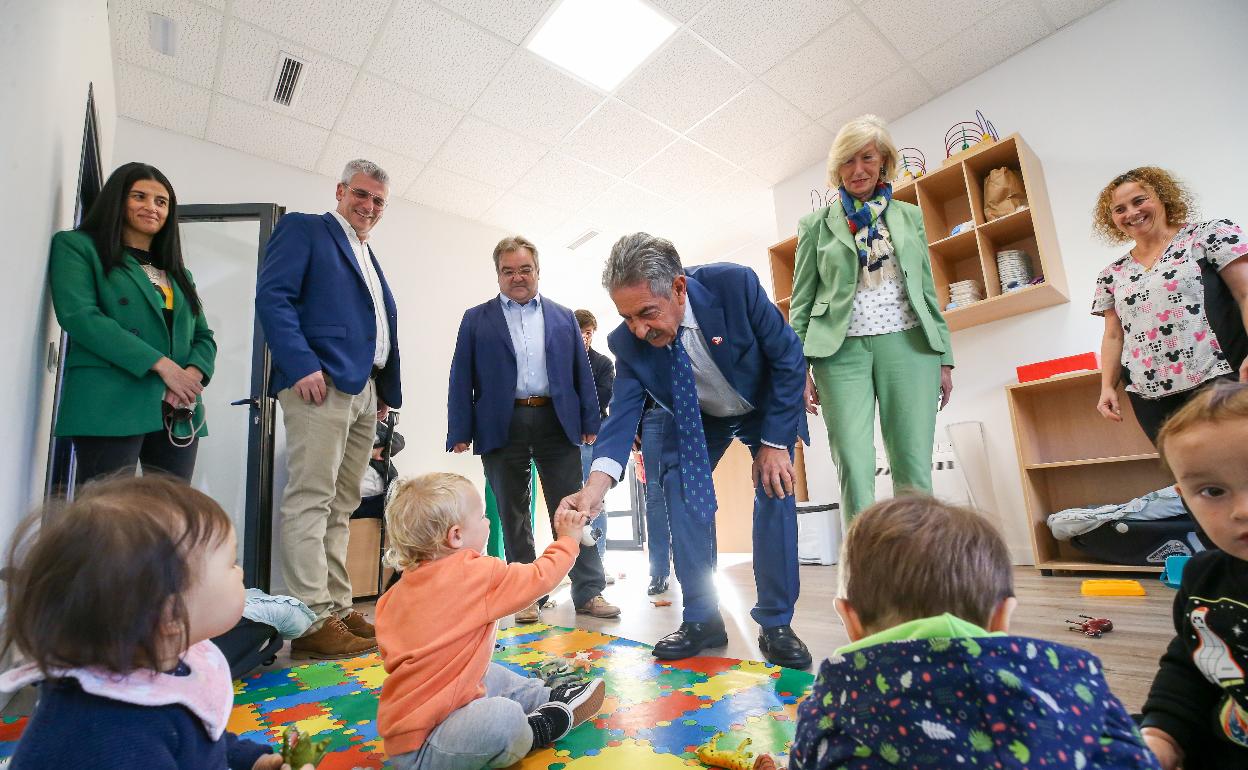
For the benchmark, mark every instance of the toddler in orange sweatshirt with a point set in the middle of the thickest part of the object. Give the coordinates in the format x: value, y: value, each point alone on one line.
x: 445, y: 705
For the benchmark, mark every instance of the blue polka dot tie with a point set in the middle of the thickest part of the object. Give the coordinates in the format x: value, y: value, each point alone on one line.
x: 695, y: 460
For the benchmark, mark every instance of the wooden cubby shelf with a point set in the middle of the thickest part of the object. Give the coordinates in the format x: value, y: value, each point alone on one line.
x: 954, y: 195
x: 1071, y: 457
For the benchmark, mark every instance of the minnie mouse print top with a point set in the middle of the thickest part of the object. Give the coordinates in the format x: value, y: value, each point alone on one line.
x: 1180, y: 325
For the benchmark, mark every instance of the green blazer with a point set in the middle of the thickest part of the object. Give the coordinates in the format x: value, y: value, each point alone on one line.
x: 825, y: 278
x: 117, y: 332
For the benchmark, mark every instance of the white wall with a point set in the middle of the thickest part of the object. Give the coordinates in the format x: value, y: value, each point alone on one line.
x: 49, y: 53
x: 1137, y: 82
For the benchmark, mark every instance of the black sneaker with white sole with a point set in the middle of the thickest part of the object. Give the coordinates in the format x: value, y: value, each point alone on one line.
x: 549, y: 723
x: 584, y: 698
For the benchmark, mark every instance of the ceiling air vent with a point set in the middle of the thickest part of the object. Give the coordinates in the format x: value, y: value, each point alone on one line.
x: 286, y: 79
x: 582, y: 239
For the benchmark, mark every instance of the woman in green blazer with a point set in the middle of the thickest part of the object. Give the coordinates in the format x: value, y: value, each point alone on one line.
x: 865, y: 308
x: 140, y: 350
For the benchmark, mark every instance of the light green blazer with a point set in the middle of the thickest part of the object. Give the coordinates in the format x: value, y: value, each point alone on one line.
x: 825, y: 278
x: 117, y: 331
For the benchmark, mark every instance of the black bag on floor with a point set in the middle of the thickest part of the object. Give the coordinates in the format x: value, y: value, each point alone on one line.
x: 249, y: 645
x: 1141, y: 543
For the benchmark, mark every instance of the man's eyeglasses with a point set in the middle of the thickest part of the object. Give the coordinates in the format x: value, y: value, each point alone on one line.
x: 363, y: 195
x: 526, y: 272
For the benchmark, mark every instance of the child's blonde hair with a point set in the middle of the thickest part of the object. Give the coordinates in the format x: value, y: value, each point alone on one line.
x: 420, y: 513
x: 1221, y: 401
x: 914, y: 557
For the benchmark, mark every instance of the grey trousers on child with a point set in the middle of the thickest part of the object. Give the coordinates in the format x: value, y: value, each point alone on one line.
x: 492, y: 731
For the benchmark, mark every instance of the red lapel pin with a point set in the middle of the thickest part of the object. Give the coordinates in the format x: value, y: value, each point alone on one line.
x: 716, y: 340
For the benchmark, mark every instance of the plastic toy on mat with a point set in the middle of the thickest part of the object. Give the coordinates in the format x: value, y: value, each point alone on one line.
x: 965, y: 134
x: 913, y: 163
x: 1091, y: 626
x: 738, y: 759
x: 299, y: 749
x: 1111, y: 588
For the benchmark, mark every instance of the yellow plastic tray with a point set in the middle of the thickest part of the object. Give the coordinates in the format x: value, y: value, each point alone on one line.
x: 1112, y: 588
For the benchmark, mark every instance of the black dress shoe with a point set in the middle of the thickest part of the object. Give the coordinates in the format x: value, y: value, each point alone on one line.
x: 658, y: 585
x: 782, y: 647
x: 690, y: 640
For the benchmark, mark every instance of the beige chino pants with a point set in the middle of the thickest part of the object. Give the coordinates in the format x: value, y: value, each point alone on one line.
x: 327, y: 451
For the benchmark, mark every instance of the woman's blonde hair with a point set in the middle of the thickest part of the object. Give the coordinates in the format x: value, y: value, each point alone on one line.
x: 855, y: 135
x: 420, y: 513
x: 1173, y: 195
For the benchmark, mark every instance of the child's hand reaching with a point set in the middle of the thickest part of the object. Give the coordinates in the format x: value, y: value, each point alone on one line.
x: 570, y: 522
x: 1169, y: 755
x: 274, y: 762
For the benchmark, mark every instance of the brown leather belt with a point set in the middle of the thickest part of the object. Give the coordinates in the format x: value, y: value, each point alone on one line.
x: 533, y: 401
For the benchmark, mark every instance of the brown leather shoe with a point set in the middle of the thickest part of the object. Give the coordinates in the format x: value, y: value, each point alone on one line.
x: 598, y: 608
x: 357, y: 625
x: 530, y: 614
x: 333, y: 640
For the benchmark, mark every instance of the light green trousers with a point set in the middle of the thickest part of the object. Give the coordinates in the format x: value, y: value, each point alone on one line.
x: 902, y: 373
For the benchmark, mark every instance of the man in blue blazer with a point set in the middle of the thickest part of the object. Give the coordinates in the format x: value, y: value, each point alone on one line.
x: 521, y: 393
x: 710, y: 348
x: 331, y: 325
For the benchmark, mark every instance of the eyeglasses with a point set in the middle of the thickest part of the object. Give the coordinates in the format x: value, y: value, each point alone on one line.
x: 525, y: 271
x: 363, y: 195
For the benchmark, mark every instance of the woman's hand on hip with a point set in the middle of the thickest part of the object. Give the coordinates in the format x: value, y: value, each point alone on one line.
x: 1107, y: 405
x: 181, y: 384
x: 946, y: 385
x: 811, y: 397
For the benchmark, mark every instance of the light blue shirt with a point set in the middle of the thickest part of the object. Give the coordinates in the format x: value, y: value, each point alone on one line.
x: 528, y: 336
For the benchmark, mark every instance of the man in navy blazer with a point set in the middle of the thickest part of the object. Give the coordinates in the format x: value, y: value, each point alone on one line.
x: 521, y: 393
x: 749, y: 376
x: 331, y: 325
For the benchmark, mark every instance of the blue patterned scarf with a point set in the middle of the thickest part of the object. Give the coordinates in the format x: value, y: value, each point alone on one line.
x: 866, y: 224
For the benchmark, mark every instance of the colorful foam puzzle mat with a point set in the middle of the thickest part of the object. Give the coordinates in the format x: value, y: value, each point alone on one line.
x: 655, y: 715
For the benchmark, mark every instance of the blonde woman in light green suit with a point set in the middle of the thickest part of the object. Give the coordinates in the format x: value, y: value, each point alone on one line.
x: 864, y: 306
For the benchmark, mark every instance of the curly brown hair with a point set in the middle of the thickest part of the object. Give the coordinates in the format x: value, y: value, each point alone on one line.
x: 1176, y: 199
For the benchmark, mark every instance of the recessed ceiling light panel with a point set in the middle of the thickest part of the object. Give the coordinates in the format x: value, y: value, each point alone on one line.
x: 601, y: 41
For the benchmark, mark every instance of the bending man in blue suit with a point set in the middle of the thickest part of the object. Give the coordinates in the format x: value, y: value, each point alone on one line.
x: 330, y: 322
x: 522, y: 393
x: 710, y: 348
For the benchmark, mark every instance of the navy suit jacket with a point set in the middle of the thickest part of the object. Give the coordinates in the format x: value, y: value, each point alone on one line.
x: 760, y: 355
x: 482, y: 392
x: 316, y: 310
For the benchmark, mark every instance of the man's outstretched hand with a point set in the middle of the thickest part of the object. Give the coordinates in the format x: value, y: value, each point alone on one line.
x: 589, y: 500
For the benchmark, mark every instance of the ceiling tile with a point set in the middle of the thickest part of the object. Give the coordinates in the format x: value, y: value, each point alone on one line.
x: 340, y: 149
x: 916, y: 28
x: 994, y: 39
x: 816, y: 78
x: 893, y: 97
x: 530, y: 218
x: 759, y: 35
x: 161, y: 101
x: 740, y: 198
x: 681, y: 171
x: 434, y: 52
x: 340, y: 28
x: 805, y: 148
x: 681, y: 10
x: 447, y: 191
x: 1063, y: 12
x: 484, y: 152
x: 257, y: 131
x: 617, y: 139
x: 536, y: 100
x: 563, y: 182
x: 248, y: 66
x: 684, y: 82
x: 401, y: 121
x: 198, y: 31
x: 520, y: 16
x: 754, y: 121
x: 628, y: 207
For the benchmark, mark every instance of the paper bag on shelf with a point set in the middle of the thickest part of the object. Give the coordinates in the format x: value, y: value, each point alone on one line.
x: 1003, y: 193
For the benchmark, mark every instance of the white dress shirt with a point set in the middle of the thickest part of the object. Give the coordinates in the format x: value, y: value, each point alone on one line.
x: 381, y: 352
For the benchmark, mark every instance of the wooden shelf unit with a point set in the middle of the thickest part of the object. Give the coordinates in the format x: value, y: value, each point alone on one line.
x: 1069, y: 456
x: 953, y: 195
